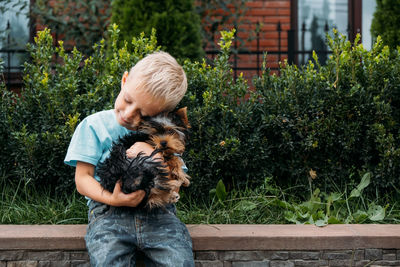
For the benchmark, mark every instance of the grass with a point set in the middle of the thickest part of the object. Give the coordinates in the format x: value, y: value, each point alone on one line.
x: 26, y: 205
x: 267, y: 204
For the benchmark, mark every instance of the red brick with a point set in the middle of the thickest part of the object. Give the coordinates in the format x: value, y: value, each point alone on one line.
x: 284, y: 11
x: 254, y: 19
x: 261, y: 12
x: 248, y: 64
x: 268, y: 43
x: 285, y: 26
x: 248, y: 26
x: 272, y: 57
x: 276, y: 19
x: 255, y: 3
x: 272, y: 4
x: 269, y: 27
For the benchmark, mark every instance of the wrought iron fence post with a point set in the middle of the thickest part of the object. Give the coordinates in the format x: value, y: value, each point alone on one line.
x: 291, y: 46
x: 8, y: 56
x: 303, y: 32
x: 235, y: 53
x: 326, y: 29
x: 213, y: 42
x: 258, y: 48
x: 279, y: 29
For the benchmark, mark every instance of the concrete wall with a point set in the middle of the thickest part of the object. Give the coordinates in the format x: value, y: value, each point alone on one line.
x: 221, y: 245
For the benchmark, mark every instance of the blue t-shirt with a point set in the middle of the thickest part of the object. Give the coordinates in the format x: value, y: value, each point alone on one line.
x: 93, y: 138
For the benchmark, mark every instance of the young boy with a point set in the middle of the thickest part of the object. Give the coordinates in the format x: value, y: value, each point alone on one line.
x: 116, y: 229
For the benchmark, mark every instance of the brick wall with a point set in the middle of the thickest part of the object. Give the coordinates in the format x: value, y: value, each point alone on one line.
x: 221, y: 245
x: 254, y: 258
x: 268, y: 13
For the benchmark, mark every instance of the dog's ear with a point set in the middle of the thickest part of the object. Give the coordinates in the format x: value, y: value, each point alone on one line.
x: 182, y: 113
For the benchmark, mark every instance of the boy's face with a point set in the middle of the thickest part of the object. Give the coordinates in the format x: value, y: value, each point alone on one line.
x: 133, y: 103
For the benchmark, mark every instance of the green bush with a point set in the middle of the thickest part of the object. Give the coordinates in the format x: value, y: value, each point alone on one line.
x: 226, y: 142
x: 326, y: 125
x: 386, y: 22
x: 336, y: 121
x: 59, y: 91
x: 322, y: 124
x: 176, y: 23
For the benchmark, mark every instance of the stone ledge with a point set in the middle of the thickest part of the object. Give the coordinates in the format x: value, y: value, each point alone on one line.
x: 221, y: 237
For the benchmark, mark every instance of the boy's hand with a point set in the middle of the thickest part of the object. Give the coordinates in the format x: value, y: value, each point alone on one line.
x: 87, y: 185
x: 119, y: 198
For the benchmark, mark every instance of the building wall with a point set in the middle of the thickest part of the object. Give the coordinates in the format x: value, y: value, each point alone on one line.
x: 213, y: 258
x: 266, y: 13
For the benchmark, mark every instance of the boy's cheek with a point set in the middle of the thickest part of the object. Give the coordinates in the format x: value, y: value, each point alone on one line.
x: 138, y: 147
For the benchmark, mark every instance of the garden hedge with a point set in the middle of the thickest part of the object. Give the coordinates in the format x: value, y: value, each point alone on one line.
x: 322, y: 124
x: 386, y: 21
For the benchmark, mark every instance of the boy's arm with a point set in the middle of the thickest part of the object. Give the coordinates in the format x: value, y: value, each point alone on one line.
x: 88, y: 186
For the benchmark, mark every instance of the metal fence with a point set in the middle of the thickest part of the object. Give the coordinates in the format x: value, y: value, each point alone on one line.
x: 295, y: 52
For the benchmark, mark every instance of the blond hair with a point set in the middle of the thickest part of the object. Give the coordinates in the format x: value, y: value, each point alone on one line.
x: 162, y: 77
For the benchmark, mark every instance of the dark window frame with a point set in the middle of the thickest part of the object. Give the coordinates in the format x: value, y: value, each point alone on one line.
x: 14, y: 80
x: 354, y: 24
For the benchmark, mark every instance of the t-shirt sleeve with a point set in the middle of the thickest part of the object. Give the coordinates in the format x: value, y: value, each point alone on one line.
x: 85, y: 145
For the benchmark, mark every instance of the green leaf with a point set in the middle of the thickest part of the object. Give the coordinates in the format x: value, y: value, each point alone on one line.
x: 334, y: 220
x: 320, y: 223
x: 221, y: 191
x: 360, y: 216
x: 246, y: 205
x: 376, y: 212
x: 365, y: 181
x: 291, y: 217
x: 334, y: 197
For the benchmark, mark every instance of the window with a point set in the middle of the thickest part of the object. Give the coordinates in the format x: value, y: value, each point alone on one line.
x: 312, y: 19
x: 368, y: 9
x: 14, y: 34
x: 316, y: 18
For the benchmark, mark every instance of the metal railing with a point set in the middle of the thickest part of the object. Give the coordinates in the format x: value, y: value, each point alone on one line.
x: 295, y: 54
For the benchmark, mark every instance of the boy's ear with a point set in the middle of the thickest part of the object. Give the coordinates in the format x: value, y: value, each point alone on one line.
x: 124, y: 78
x: 182, y: 113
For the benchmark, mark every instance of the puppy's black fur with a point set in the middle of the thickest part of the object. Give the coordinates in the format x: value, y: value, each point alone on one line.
x: 159, y: 178
x: 139, y: 173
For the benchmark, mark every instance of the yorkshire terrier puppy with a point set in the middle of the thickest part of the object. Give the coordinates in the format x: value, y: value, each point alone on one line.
x: 160, y: 178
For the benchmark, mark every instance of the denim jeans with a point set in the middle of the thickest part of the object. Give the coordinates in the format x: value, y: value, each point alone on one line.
x: 115, y: 235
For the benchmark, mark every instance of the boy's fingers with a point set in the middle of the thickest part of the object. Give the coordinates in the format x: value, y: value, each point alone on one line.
x: 117, y: 187
x: 138, y: 194
x: 137, y: 197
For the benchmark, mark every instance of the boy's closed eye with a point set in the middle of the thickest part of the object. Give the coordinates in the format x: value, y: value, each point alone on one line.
x: 140, y: 113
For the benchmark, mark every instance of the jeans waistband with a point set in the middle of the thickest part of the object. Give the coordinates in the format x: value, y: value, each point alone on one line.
x: 168, y: 208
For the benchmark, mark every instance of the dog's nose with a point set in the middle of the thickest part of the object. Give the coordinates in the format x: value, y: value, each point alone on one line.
x: 163, y: 143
